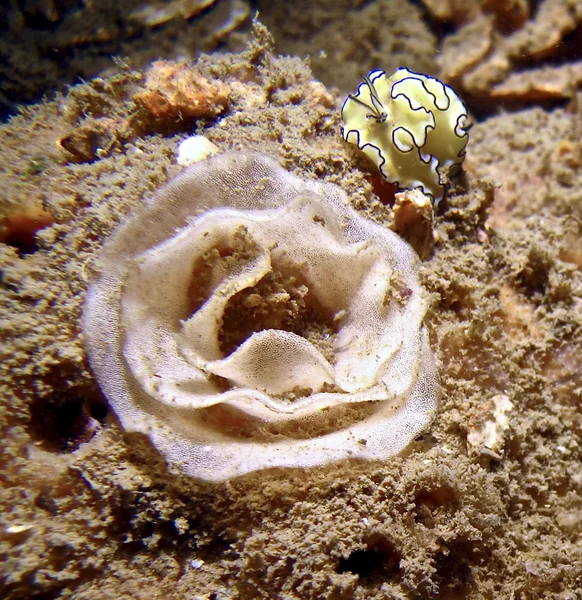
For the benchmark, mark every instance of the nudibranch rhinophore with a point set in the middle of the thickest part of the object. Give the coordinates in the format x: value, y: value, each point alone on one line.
x: 414, y: 128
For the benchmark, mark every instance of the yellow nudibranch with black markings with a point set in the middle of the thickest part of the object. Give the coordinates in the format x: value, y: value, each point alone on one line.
x: 412, y: 126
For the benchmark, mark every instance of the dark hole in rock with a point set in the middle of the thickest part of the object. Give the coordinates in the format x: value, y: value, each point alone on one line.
x: 428, y: 501
x: 379, y: 561
x: 91, y: 141
x: 456, y: 306
x: 63, y: 421
x: 458, y: 299
x: 453, y: 570
x: 436, y: 496
x: 47, y: 504
x: 98, y: 410
x: 535, y: 275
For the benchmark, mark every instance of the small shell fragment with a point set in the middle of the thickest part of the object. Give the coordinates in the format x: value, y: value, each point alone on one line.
x: 489, y: 431
x: 413, y: 220
x: 195, y: 149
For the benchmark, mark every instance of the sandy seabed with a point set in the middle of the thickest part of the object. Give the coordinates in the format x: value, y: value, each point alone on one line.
x: 87, y: 511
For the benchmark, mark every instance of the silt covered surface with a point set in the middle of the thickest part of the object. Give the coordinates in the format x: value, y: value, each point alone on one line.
x: 90, y: 512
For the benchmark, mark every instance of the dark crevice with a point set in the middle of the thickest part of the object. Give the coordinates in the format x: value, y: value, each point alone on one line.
x: 62, y: 421
x: 378, y: 562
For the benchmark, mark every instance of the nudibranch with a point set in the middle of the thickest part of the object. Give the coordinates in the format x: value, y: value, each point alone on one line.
x: 412, y: 126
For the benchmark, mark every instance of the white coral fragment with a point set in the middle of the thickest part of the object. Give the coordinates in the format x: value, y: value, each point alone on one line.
x: 412, y: 126
x: 489, y: 432
x: 194, y: 149
x: 247, y: 319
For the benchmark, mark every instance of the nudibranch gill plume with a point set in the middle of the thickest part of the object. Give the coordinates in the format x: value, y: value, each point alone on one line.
x: 412, y: 126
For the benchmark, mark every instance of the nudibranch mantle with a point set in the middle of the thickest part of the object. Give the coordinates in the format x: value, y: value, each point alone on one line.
x: 412, y: 126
